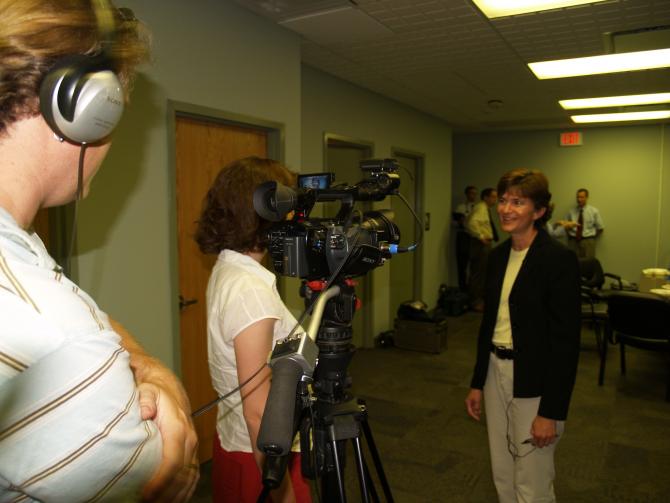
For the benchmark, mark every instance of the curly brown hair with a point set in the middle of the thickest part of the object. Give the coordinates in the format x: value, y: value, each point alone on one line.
x: 36, y: 34
x: 532, y: 184
x: 228, y: 220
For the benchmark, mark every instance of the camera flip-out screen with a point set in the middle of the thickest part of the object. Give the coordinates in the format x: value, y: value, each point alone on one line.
x: 315, y: 180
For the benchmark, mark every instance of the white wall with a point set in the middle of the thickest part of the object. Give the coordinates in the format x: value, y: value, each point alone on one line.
x: 331, y: 105
x: 208, y: 53
x: 625, y: 168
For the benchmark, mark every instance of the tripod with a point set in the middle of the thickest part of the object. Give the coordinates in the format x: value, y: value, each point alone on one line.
x: 334, y: 415
x: 314, y: 399
x: 332, y: 427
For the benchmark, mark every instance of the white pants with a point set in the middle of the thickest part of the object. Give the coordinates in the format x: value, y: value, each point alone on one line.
x: 522, y: 473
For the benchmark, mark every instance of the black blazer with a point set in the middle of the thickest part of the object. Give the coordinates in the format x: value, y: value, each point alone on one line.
x: 545, y: 314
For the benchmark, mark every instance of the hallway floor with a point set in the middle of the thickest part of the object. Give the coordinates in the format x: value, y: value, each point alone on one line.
x: 616, y: 446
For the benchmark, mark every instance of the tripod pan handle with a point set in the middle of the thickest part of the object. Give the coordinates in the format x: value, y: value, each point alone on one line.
x: 276, y: 432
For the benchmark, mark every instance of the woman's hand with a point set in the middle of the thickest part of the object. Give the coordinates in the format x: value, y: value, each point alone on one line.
x: 543, y: 431
x: 473, y: 404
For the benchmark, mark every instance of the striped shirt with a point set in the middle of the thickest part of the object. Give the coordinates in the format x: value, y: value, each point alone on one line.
x: 70, y: 425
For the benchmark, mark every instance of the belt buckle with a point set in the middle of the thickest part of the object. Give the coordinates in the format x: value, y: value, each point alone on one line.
x: 503, y: 352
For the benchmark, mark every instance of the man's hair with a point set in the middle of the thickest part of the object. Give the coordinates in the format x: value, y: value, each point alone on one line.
x: 468, y: 189
x: 585, y: 191
x: 486, y: 193
x: 228, y: 220
x: 531, y: 184
x: 35, y: 34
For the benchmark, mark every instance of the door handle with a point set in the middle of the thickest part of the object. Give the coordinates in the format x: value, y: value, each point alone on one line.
x: 184, y: 303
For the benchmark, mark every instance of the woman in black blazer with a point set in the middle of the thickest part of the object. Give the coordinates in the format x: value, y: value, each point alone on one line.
x: 528, y: 342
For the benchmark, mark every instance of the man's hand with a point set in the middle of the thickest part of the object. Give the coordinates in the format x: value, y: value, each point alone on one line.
x: 163, y: 400
x: 568, y: 224
x: 473, y: 403
x: 177, y: 476
x: 543, y: 431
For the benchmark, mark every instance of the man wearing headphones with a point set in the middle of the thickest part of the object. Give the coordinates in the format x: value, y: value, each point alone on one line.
x: 85, y: 413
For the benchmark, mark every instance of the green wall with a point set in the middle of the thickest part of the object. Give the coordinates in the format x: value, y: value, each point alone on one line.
x: 625, y: 168
x: 209, y: 54
x: 331, y: 105
x: 217, y: 56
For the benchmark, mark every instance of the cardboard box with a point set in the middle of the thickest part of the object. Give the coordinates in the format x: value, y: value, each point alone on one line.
x: 646, y: 284
x: 427, y: 336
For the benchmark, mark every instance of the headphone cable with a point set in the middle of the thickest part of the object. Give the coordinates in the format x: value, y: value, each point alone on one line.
x: 78, y: 197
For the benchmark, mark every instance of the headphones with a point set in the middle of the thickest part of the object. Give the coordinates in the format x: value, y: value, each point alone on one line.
x: 81, y: 97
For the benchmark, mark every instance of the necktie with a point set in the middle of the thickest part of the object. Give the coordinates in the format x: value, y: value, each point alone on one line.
x: 493, y: 227
x: 580, y: 225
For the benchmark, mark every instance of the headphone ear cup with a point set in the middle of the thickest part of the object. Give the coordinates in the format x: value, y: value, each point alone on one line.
x: 81, y: 99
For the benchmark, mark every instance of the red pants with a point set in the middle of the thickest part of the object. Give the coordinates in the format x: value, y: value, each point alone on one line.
x: 237, y: 479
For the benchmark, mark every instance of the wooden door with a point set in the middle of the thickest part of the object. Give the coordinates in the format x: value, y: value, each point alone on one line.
x: 202, y: 149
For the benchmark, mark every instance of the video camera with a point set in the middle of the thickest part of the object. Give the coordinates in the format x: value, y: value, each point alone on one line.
x: 314, y: 248
x: 309, y: 379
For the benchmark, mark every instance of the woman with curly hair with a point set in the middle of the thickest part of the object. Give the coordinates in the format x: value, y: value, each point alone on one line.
x: 246, y: 317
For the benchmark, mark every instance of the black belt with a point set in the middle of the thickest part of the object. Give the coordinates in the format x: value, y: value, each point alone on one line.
x: 503, y: 353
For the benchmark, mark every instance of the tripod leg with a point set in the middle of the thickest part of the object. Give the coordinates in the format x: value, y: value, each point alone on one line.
x: 337, y: 463
x: 362, y: 480
x: 371, y: 485
x: 377, y: 460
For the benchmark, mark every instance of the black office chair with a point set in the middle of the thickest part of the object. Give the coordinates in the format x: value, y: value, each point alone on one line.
x: 593, y: 277
x: 641, y: 320
x: 594, y: 301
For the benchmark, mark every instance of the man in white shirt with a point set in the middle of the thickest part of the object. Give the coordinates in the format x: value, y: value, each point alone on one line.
x: 85, y: 413
x: 482, y: 234
x: 460, y: 216
x: 583, y: 225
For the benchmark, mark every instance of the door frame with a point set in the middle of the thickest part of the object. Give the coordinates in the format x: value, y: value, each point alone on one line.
x: 420, y: 158
x: 276, y: 150
x: 348, y: 141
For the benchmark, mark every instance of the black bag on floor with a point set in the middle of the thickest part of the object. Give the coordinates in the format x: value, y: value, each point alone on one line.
x: 451, y: 301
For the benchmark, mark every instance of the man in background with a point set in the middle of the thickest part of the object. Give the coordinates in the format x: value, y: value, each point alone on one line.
x: 483, y: 234
x: 583, y: 225
x: 460, y: 216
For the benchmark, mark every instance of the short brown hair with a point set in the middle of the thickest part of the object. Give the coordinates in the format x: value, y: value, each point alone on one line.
x: 35, y: 34
x: 228, y: 220
x: 531, y: 184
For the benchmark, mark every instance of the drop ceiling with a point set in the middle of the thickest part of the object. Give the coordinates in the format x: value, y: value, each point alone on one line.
x: 445, y: 58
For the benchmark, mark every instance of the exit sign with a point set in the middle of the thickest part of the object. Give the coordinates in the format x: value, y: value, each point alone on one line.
x: 571, y: 139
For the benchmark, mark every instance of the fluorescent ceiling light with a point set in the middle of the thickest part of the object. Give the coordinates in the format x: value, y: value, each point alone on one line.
x: 594, y: 65
x: 499, y: 8
x: 616, y: 101
x: 628, y: 116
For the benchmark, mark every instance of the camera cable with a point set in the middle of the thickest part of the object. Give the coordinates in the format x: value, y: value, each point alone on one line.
x: 402, y: 249
x: 211, y: 404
